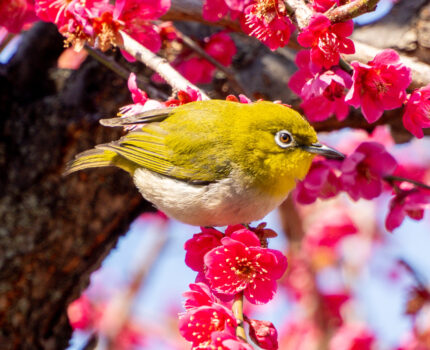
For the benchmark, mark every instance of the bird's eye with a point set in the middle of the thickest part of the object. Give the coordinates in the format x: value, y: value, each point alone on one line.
x: 283, y: 138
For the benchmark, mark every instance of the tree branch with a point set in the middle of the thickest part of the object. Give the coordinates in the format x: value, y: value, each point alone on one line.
x: 158, y: 64
x: 123, y: 72
x: 351, y: 10
x: 392, y: 178
x: 302, y: 12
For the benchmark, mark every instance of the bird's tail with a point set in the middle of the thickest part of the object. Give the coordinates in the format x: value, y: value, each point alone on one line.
x: 93, y: 158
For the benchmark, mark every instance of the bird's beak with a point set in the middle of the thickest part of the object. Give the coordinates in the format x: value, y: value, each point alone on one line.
x: 324, y: 150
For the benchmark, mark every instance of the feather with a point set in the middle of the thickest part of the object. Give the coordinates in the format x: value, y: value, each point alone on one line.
x: 155, y: 115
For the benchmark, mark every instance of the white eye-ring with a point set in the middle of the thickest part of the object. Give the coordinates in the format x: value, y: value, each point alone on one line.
x: 284, y: 139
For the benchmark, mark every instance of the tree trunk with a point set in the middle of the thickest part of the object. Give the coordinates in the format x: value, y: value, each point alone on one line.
x: 54, y: 230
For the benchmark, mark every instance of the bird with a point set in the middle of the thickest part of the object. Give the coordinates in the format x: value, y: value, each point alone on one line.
x: 213, y: 162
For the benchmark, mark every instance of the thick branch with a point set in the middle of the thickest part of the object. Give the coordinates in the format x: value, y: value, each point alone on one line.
x: 158, y: 64
x: 301, y: 10
x: 351, y: 10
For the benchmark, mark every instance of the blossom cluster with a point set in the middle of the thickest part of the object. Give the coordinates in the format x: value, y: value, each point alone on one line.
x: 97, y: 22
x: 364, y: 174
x: 230, y: 264
x: 87, y: 315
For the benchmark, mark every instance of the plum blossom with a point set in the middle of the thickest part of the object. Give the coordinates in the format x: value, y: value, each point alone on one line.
x: 15, y: 14
x: 324, y: 5
x: 379, y: 85
x: 363, y: 170
x: 263, y: 333
x: 241, y: 99
x: 200, y: 71
x: 241, y: 264
x: 323, y: 91
x: 325, y: 236
x: 409, y: 203
x: 267, y: 20
x: 329, y: 231
x: 352, y: 337
x: 417, y: 111
x: 214, y: 10
x: 141, y: 102
x: 184, y: 96
x: 81, y: 313
x: 327, y: 41
x: 98, y: 22
x: 321, y: 181
x: 226, y: 341
x: 204, y: 316
x: 201, y: 243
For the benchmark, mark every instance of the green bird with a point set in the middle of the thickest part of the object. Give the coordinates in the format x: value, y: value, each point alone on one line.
x: 212, y: 163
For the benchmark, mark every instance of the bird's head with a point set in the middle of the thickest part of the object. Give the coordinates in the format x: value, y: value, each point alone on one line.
x: 276, y: 146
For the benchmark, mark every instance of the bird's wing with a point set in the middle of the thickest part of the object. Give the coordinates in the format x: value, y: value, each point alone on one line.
x: 146, y: 148
x: 155, y: 115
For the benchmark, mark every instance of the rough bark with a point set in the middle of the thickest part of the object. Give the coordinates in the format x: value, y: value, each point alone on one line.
x: 54, y: 230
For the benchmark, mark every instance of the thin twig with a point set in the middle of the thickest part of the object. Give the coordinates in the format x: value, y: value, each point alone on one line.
x: 9, y: 37
x: 391, y: 178
x: 345, y: 66
x: 238, y: 314
x: 123, y: 72
x: 236, y: 86
x: 351, y: 10
x: 158, y: 64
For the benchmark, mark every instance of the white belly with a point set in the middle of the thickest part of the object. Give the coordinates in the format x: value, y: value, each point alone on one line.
x: 226, y: 202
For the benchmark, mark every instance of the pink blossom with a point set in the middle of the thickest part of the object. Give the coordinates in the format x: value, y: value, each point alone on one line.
x: 300, y: 334
x: 324, y: 5
x: 241, y: 99
x: 98, y: 22
x: 241, y: 264
x: 352, y: 337
x: 135, y: 15
x: 15, y: 14
x: 221, y: 47
x: 417, y: 111
x: 324, y: 95
x: 407, y: 203
x: 198, y: 324
x: 363, y: 170
x: 263, y: 333
x: 80, y: 313
x: 327, y: 41
x: 299, y: 281
x: 214, y: 10
x: 329, y: 231
x: 379, y: 85
x: 332, y: 305
x: 184, y: 97
x: 198, y: 70
x: 141, y: 101
x: 226, y: 341
x: 320, y: 182
x: 268, y: 22
x: 60, y: 11
x: 380, y: 134
x: 199, y: 295
x: 323, y: 92
x: 199, y: 245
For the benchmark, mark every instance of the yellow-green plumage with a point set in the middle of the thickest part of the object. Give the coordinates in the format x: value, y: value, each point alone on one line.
x: 210, y: 147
